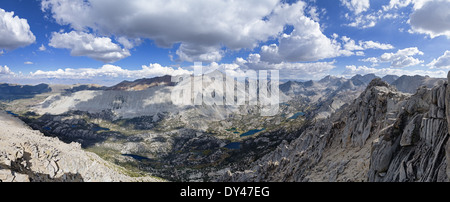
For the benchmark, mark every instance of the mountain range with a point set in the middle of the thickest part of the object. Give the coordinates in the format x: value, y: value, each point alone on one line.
x: 383, y: 129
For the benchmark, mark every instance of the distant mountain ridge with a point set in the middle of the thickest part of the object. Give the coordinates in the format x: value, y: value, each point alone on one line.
x: 143, y: 84
x: 406, y: 84
x: 331, y: 93
x: 390, y: 78
x: 152, y: 97
x: 410, y: 84
x: 366, y: 79
x: 11, y: 92
x: 77, y: 88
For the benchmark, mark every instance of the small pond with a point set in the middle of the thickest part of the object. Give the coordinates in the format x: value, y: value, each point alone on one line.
x: 136, y: 157
x: 11, y: 113
x: 252, y: 132
x: 233, y: 145
x: 296, y: 115
x: 96, y: 129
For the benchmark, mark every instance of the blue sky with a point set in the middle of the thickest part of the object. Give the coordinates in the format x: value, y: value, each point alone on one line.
x: 106, y: 41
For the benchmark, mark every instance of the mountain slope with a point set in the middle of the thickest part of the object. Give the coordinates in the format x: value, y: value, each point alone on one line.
x: 26, y: 155
x: 384, y: 135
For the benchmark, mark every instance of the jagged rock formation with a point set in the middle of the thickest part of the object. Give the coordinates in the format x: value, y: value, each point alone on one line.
x: 26, y: 155
x: 384, y: 135
x: 413, y: 148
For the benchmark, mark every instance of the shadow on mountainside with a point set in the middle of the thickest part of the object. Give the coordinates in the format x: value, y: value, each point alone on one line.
x: 10, y: 92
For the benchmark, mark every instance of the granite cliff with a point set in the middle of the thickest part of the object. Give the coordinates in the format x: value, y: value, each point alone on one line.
x: 383, y: 135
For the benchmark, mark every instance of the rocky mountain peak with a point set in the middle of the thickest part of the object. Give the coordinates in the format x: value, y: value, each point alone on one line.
x: 377, y: 82
x: 328, y: 78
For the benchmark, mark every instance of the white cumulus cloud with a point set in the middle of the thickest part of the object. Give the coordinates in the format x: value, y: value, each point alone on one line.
x: 398, y: 4
x: 351, y: 70
x: 204, y: 30
x: 375, y: 45
x: 356, y: 6
x: 42, y: 48
x: 305, y: 43
x: 111, y: 74
x: 351, y: 45
x: 14, y: 31
x: 402, y: 58
x: 200, y: 25
x: 85, y: 44
x: 4, y: 70
x: 363, y: 21
x: 110, y: 71
x: 432, y: 18
x: 287, y: 70
x: 443, y: 62
x: 192, y: 53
